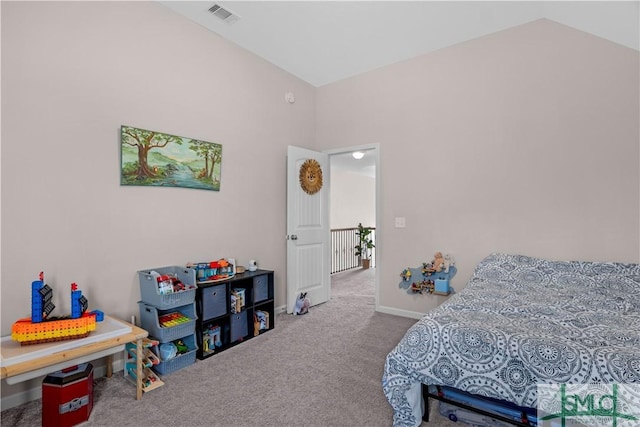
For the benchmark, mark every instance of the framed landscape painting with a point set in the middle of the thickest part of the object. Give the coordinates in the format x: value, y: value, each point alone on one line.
x: 158, y: 159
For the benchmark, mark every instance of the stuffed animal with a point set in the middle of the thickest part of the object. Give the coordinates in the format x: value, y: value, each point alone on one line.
x: 438, y: 262
x: 448, y: 262
x: 302, y: 304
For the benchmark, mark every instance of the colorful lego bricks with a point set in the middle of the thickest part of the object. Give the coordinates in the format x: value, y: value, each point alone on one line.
x: 42, y: 328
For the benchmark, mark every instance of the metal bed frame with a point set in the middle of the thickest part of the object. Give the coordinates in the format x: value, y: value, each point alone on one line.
x: 439, y: 395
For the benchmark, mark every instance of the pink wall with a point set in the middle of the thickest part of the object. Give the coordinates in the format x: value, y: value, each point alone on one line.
x: 72, y: 73
x: 523, y: 141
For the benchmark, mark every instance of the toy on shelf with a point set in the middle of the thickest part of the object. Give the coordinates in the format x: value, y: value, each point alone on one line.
x: 213, y: 271
x: 423, y: 286
x: 435, y: 276
x: 150, y: 380
x: 211, y: 339
x: 41, y: 328
x: 169, y: 350
x: 260, y: 322
x: 435, y: 266
x: 149, y: 358
x: 172, y: 319
x: 237, y: 300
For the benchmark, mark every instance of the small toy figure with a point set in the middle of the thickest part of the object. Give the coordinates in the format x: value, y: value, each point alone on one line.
x: 427, y: 269
x: 181, y: 347
x: 434, y: 266
x: 448, y: 262
x: 406, y: 274
x: 211, y: 339
x: 422, y: 287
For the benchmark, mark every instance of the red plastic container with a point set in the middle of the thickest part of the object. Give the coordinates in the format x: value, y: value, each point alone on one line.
x: 67, y: 396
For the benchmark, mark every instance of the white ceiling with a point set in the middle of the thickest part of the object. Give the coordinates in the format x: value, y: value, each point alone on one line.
x: 324, y: 41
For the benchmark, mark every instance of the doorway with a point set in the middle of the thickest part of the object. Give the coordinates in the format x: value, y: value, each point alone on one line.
x: 354, y: 198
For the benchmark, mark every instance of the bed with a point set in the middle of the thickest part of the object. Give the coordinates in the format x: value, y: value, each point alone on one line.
x: 521, y: 321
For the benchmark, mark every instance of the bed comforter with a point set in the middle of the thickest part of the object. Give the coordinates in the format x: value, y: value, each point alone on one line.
x: 519, y: 322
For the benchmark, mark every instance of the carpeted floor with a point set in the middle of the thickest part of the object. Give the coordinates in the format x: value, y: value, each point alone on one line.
x: 320, y: 369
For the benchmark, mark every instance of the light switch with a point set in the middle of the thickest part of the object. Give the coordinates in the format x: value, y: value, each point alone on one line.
x: 400, y: 223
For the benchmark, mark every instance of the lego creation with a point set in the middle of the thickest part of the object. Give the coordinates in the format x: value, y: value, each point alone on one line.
x: 213, y: 271
x: 40, y: 328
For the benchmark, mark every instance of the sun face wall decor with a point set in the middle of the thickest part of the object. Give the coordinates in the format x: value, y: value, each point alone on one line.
x: 311, y: 176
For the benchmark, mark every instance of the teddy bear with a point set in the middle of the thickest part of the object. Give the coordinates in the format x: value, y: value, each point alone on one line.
x: 438, y: 262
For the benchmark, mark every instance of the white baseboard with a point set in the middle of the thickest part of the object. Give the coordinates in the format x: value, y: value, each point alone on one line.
x: 18, y: 399
x: 35, y: 393
x: 397, y: 312
x: 281, y: 309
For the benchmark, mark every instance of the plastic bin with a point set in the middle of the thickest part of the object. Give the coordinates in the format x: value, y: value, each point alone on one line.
x: 149, y: 287
x: 181, y: 361
x: 149, y: 318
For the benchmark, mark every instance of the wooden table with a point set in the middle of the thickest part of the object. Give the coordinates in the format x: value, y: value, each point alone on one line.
x: 22, y: 363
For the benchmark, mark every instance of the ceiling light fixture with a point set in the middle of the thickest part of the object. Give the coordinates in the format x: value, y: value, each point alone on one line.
x: 357, y: 155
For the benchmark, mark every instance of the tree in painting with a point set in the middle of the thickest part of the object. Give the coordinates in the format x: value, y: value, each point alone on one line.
x: 144, y: 141
x: 159, y: 159
x: 211, y: 153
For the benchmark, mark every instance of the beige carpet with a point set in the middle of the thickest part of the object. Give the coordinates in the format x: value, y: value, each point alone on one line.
x: 320, y: 369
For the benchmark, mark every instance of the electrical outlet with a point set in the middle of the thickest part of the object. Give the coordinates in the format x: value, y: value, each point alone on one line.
x: 400, y: 222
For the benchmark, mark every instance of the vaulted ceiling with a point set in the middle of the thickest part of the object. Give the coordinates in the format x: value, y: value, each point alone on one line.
x: 324, y: 41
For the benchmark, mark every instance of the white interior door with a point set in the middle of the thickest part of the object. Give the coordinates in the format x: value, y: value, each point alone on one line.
x: 308, y: 231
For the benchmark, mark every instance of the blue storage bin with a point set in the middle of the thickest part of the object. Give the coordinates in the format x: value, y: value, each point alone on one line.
x: 260, y: 288
x: 214, y: 301
x: 149, y: 315
x: 178, y: 362
x: 441, y: 286
x: 149, y: 287
x: 239, y: 326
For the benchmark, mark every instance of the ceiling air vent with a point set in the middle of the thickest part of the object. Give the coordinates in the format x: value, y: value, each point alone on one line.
x: 224, y: 14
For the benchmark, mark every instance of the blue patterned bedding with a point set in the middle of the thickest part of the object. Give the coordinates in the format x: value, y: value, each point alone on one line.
x: 519, y: 322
